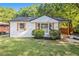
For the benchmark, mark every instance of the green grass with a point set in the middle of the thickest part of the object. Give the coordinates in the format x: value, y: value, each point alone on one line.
x: 36, y: 47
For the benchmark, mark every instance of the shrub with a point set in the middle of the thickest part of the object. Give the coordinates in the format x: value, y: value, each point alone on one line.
x: 76, y: 29
x: 33, y: 32
x: 54, y: 34
x: 38, y: 33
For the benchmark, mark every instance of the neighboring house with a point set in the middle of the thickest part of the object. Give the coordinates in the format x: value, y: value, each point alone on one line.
x: 4, y: 27
x: 23, y: 26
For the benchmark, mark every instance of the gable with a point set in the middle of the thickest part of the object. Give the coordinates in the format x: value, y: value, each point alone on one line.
x: 44, y: 19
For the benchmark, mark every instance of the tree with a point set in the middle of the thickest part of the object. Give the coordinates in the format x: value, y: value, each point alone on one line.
x: 68, y: 11
x: 6, y: 14
x: 54, y: 10
x: 28, y: 11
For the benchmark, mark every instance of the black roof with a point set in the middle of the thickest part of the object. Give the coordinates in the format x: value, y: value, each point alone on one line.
x: 32, y: 18
x: 24, y: 19
x: 63, y: 19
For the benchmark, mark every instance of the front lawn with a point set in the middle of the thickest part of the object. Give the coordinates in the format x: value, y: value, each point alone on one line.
x: 35, y: 47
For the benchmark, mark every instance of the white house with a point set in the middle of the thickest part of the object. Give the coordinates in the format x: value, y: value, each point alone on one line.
x: 23, y: 26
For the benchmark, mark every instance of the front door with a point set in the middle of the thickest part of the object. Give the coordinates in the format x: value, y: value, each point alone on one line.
x: 45, y: 27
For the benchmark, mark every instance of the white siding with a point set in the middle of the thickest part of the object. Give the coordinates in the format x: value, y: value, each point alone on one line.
x: 25, y: 33
x: 21, y: 33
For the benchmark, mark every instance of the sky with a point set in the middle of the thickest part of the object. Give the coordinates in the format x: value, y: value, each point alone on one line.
x: 15, y: 6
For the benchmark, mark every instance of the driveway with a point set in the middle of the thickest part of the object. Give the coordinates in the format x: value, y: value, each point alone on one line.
x: 73, y: 38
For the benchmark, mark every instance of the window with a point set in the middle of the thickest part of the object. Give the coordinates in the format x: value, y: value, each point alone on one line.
x: 44, y: 25
x: 21, y: 26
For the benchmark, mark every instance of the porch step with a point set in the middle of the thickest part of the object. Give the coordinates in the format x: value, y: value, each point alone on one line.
x: 46, y: 35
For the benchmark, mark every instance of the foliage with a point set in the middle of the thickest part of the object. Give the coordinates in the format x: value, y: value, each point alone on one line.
x: 60, y: 10
x: 38, y: 33
x: 6, y: 14
x: 54, y: 34
x: 68, y: 11
x: 30, y: 11
x: 76, y: 29
x: 56, y: 10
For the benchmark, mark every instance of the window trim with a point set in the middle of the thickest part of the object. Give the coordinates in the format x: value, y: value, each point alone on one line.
x: 18, y: 26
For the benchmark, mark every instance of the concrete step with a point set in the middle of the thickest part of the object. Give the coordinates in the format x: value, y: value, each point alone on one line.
x: 46, y: 35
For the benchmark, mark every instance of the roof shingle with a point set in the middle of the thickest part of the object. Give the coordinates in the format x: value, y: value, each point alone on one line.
x: 23, y: 19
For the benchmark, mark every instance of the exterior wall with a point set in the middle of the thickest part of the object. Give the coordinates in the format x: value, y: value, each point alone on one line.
x: 21, y: 33
x: 25, y: 33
